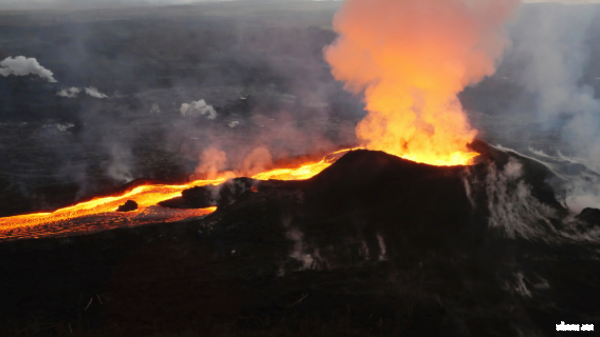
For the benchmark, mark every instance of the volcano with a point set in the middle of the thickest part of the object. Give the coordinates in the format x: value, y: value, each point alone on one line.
x: 373, y: 245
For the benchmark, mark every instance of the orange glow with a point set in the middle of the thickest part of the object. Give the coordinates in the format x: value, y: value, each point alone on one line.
x: 303, y: 172
x: 101, y: 212
x: 410, y: 59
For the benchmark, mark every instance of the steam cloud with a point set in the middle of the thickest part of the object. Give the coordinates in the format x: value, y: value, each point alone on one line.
x: 92, y: 91
x: 213, y: 163
x: 69, y: 93
x: 555, y: 48
x: 511, y: 204
x: 22, y: 66
x: 411, y: 59
x: 74, y: 92
x: 198, y: 108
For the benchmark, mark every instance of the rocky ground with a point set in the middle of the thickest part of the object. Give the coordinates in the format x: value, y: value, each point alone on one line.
x: 374, y: 245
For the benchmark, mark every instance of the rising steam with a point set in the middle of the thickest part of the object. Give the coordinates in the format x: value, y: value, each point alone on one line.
x: 411, y: 59
x: 74, y: 92
x: 23, y: 66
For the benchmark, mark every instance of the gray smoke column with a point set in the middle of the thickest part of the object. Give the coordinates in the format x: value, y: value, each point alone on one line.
x: 22, y: 66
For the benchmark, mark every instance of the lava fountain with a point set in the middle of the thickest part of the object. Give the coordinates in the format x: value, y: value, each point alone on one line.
x: 410, y: 59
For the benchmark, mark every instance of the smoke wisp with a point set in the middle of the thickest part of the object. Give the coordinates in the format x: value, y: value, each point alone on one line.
x: 93, y: 91
x: 69, y: 93
x: 74, y: 92
x: 198, y: 108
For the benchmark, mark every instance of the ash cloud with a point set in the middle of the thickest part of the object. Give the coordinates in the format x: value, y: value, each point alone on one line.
x: 23, y: 66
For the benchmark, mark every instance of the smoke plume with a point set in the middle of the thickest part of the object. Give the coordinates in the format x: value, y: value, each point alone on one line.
x: 92, y: 91
x: 198, y: 108
x: 555, y: 46
x: 411, y: 59
x: 69, y: 93
x: 74, y: 92
x: 22, y: 66
x: 212, y: 162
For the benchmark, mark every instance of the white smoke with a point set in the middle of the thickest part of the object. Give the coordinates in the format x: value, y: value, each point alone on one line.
x: 22, y: 66
x: 198, y: 108
x: 119, y: 166
x: 511, y: 205
x: 155, y: 109
x: 555, y: 47
x: 299, y: 252
x: 519, y: 286
x: 92, y: 91
x: 60, y: 127
x: 382, y: 250
x: 69, y: 93
x: 515, y: 211
x: 74, y: 92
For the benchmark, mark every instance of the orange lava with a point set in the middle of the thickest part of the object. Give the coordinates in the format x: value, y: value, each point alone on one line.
x: 100, y: 213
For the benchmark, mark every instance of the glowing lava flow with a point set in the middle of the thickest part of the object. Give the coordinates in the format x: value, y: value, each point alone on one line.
x: 100, y: 213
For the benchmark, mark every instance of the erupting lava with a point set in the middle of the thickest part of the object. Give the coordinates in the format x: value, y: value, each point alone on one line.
x: 411, y: 59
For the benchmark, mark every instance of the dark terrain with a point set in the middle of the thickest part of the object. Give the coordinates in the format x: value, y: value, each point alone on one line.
x: 373, y: 245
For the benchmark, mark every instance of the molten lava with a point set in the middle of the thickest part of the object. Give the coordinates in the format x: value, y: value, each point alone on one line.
x: 100, y: 213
